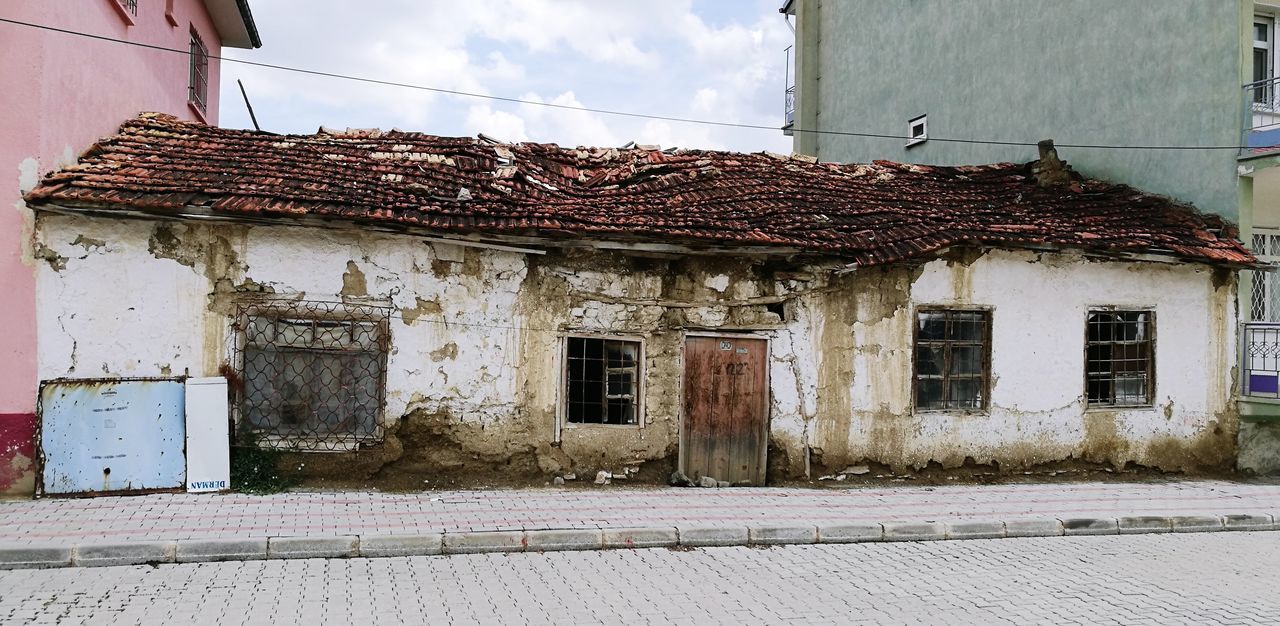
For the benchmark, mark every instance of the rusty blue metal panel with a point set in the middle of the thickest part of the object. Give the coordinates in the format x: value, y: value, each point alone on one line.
x: 112, y: 435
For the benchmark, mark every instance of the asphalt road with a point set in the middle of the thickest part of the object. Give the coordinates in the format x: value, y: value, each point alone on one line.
x: 1202, y: 578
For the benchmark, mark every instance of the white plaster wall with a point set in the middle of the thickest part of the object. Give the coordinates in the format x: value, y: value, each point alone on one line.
x: 114, y: 308
x: 118, y: 310
x: 1037, y: 407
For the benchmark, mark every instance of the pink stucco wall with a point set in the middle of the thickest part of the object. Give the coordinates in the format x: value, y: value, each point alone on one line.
x: 59, y: 93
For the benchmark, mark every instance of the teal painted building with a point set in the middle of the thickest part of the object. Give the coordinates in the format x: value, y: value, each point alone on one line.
x: 1188, y: 73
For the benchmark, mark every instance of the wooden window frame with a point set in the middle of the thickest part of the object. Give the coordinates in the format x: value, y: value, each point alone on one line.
x: 562, y: 390
x: 1151, y: 359
x: 946, y: 343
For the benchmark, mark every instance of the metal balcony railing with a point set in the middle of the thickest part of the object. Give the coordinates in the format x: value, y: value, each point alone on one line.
x: 1260, y: 359
x: 1262, y: 115
x: 129, y: 5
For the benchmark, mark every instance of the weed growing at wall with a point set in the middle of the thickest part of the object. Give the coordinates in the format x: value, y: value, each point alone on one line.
x: 255, y: 469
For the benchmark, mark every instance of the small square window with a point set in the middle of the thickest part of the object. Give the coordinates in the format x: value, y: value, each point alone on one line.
x: 952, y: 364
x: 1119, y: 358
x: 918, y: 130
x: 602, y: 381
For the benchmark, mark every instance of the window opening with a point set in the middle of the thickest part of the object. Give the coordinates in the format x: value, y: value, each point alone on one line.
x: 918, y: 130
x: 1264, y: 287
x: 1263, y: 62
x: 603, y: 380
x: 1119, y: 366
x: 313, y: 375
x: 198, y: 80
x: 952, y: 361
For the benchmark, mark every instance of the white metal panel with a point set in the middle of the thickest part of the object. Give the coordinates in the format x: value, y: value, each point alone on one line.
x: 208, y: 460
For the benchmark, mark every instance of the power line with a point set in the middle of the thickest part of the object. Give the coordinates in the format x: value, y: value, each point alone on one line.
x: 647, y: 116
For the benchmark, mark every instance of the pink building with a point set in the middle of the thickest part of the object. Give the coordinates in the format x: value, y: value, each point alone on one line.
x: 61, y: 92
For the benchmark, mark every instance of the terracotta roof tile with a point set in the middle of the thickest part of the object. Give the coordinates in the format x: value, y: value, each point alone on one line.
x: 870, y: 213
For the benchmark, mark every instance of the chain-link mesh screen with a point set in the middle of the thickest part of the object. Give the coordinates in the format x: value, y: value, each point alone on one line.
x: 311, y: 374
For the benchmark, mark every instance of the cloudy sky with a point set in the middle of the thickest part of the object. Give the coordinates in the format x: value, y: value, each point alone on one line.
x: 705, y: 59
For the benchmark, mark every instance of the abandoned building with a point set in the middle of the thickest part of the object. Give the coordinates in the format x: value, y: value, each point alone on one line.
x: 399, y: 304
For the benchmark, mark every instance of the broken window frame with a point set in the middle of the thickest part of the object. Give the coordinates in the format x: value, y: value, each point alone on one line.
x: 638, y: 378
x: 290, y: 311
x: 1149, y: 372
x: 947, y: 343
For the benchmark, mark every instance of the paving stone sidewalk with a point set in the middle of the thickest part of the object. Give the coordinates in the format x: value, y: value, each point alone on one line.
x: 387, y: 524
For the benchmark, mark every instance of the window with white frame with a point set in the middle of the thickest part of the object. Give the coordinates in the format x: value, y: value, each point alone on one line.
x: 602, y: 381
x: 917, y: 130
x: 1264, y: 62
x: 1264, y: 297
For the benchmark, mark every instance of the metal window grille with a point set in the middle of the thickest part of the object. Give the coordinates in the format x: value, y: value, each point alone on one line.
x: 130, y: 6
x: 952, y: 360
x: 1119, y: 362
x: 602, y: 381
x: 1261, y: 352
x: 1264, y: 295
x: 198, y: 80
x: 312, y: 375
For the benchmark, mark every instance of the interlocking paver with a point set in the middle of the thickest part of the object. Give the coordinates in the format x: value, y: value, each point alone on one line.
x: 172, y: 517
x: 1169, y: 578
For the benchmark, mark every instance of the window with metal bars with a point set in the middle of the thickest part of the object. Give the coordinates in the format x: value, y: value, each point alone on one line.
x: 952, y: 360
x: 198, y: 78
x: 1119, y: 358
x: 1264, y: 300
x: 602, y: 381
x: 313, y: 376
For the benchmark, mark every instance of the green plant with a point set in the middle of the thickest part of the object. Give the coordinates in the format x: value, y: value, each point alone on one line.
x: 255, y: 469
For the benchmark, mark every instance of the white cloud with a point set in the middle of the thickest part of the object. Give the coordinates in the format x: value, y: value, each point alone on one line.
x: 660, y: 58
x: 482, y: 118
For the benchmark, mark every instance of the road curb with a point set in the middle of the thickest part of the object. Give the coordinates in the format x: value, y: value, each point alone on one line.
x: 557, y: 540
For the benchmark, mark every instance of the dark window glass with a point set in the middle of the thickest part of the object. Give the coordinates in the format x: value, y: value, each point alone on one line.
x: 318, y: 380
x: 602, y: 376
x: 1119, y: 358
x: 951, y: 363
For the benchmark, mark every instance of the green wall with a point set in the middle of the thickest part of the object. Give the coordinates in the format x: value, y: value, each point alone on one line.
x: 1165, y: 72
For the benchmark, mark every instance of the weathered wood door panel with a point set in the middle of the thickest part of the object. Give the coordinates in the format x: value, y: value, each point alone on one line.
x: 726, y: 409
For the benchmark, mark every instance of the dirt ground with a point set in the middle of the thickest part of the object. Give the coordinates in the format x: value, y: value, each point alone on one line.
x: 651, y: 475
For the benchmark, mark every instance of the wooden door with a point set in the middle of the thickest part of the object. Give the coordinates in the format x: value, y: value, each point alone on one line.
x: 726, y: 409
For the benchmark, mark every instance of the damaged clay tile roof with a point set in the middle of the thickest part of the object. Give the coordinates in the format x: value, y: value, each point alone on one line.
x: 871, y: 214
